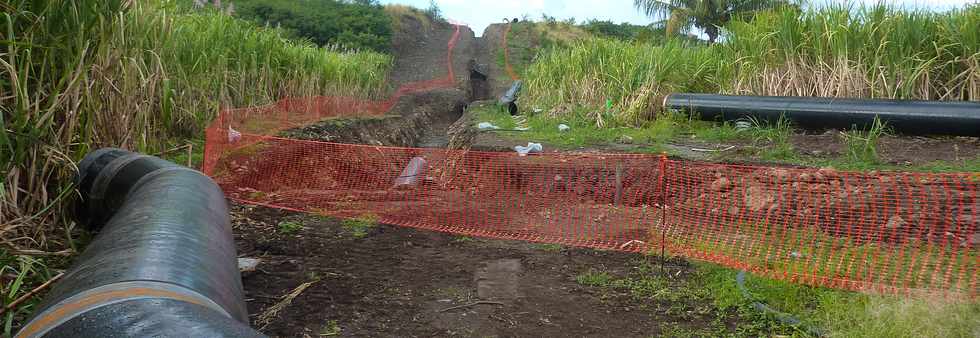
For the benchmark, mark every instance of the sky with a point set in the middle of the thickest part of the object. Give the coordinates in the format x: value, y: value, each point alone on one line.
x: 479, y: 13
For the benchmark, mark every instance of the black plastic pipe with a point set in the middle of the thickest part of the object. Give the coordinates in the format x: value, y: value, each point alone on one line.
x: 509, y: 99
x: 908, y: 117
x: 162, y: 265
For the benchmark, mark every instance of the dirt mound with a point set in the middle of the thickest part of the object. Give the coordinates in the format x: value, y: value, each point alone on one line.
x: 404, y: 126
x: 421, y: 52
x: 490, y: 56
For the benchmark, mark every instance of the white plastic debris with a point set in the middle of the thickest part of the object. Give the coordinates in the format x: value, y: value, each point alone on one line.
x: 486, y: 126
x: 233, y: 135
x: 246, y: 264
x: 538, y: 110
x: 563, y: 127
x: 743, y: 125
x: 531, y: 148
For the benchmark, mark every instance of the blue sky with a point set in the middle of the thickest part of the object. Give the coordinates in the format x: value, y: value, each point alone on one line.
x: 480, y: 13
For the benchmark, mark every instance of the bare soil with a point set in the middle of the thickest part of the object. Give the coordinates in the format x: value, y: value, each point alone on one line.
x: 407, y: 283
x: 898, y: 150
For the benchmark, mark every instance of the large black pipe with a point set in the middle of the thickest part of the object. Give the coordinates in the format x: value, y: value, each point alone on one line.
x: 909, y: 117
x: 162, y: 265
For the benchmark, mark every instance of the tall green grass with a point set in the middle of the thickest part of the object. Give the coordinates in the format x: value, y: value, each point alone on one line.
x: 145, y: 75
x: 75, y: 75
x: 633, y: 76
x: 840, y: 51
x: 877, y: 52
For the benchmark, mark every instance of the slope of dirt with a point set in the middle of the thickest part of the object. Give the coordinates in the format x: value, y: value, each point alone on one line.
x: 415, y: 119
x: 421, y: 53
x: 489, y: 57
x: 392, y: 281
x: 421, y: 117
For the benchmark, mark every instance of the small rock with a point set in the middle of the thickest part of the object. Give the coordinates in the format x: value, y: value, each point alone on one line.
x: 626, y: 139
x: 828, y: 172
x: 779, y: 175
x: 895, y: 222
x: 721, y: 184
x: 758, y: 198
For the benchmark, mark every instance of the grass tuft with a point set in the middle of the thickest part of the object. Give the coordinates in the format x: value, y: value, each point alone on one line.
x: 360, y: 227
x: 862, y: 145
x: 289, y: 227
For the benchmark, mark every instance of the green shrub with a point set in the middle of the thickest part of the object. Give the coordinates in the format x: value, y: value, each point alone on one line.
x: 358, y: 24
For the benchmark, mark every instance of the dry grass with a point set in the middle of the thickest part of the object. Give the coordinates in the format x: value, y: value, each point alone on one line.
x: 270, y: 314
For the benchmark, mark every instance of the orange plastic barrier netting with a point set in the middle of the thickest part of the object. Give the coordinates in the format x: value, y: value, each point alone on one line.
x: 884, y: 232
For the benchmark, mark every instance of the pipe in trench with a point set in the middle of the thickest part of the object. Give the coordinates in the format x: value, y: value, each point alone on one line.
x: 163, y: 263
x: 909, y: 117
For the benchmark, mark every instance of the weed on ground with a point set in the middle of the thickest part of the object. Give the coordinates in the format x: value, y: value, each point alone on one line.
x: 360, y: 227
x: 289, y: 227
x: 820, y: 311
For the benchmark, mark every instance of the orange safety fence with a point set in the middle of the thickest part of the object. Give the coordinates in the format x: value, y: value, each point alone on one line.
x: 884, y: 232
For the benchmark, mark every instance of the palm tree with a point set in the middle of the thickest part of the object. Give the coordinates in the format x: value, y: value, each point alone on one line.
x: 708, y: 15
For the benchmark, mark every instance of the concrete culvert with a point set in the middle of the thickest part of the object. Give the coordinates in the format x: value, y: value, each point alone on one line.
x: 162, y: 265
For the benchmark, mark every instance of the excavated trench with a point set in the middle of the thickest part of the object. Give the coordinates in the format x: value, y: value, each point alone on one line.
x: 422, y: 119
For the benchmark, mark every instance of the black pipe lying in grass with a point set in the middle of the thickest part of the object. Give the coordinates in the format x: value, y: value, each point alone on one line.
x: 908, y: 117
x: 163, y: 263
